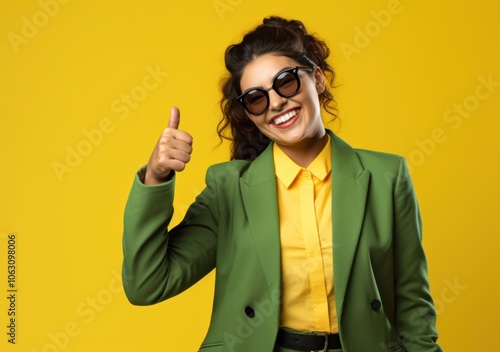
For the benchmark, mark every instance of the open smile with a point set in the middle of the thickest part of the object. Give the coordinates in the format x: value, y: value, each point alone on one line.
x: 285, y: 120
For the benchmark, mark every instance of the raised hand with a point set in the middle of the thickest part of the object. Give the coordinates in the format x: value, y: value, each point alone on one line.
x: 172, y: 151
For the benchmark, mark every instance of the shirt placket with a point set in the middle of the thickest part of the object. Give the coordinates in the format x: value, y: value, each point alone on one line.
x: 313, y: 252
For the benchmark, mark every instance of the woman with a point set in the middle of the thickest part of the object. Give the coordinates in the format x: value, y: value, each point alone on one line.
x: 317, y: 245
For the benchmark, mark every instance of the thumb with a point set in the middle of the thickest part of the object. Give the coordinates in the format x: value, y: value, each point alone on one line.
x: 175, y: 118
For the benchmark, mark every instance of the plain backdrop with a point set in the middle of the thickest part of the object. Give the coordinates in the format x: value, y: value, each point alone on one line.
x: 86, y: 88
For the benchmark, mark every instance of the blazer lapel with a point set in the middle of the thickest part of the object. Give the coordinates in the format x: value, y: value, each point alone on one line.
x: 349, y: 191
x: 350, y: 183
x: 258, y: 188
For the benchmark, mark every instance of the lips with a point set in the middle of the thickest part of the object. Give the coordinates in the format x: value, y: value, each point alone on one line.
x: 285, y: 119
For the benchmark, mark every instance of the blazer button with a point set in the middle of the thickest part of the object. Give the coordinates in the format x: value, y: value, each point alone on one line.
x: 249, y: 312
x: 375, y: 305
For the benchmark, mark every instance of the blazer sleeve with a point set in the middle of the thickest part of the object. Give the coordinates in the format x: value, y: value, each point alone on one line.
x: 157, y: 263
x: 415, y: 312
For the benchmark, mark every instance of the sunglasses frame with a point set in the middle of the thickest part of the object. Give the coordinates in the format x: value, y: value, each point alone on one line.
x: 295, y: 73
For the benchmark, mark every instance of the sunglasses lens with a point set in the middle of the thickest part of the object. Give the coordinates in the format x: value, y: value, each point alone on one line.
x: 286, y: 84
x: 255, y: 101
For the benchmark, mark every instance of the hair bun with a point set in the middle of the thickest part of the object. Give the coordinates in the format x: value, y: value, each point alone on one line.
x: 279, y: 22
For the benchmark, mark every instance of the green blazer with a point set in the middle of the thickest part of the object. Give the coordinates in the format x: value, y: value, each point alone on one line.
x: 380, y: 271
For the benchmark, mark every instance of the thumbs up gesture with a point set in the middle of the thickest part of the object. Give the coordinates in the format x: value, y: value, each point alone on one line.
x: 172, y: 151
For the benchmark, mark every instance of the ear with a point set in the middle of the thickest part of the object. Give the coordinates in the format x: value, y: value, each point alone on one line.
x: 319, y: 79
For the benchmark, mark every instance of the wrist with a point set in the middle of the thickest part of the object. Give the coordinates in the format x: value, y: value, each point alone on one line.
x: 150, y: 180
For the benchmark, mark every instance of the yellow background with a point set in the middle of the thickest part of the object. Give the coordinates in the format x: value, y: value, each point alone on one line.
x: 68, y: 74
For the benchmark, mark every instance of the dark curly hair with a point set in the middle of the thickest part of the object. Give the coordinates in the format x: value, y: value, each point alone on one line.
x: 275, y: 35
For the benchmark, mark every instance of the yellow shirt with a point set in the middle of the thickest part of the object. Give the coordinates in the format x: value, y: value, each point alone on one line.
x: 305, y: 218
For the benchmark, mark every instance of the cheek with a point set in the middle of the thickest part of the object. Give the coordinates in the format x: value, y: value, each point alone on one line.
x: 259, y: 122
x: 309, y: 92
x: 311, y: 101
x: 316, y: 102
x: 263, y: 127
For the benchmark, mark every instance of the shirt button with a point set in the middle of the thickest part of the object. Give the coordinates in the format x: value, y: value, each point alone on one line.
x: 307, y: 174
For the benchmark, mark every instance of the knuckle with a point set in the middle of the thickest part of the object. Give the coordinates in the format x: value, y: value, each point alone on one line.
x: 168, y: 133
x: 164, y: 140
x: 162, y: 161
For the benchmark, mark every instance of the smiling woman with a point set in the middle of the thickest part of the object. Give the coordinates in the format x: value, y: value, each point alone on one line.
x: 315, y: 243
x: 293, y: 120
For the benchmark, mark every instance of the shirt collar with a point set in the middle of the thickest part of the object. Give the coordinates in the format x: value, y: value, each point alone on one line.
x: 286, y: 170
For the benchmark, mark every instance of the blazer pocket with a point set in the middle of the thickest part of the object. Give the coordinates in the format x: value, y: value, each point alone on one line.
x: 211, y: 347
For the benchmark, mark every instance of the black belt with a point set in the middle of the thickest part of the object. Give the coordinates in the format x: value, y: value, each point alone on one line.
x: 316, y: 341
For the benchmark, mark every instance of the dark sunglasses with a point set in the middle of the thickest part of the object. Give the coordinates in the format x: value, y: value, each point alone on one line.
x: 286, y: 84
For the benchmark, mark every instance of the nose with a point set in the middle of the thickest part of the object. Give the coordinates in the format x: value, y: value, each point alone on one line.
x: 276, y: 101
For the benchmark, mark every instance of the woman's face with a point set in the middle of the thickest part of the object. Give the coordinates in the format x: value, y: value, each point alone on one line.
x: 290, y: 122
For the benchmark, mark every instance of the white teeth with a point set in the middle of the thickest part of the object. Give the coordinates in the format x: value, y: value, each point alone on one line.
x: 285, y: 118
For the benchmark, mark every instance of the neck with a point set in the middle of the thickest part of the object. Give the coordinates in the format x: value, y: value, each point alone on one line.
x: 304, y: 153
